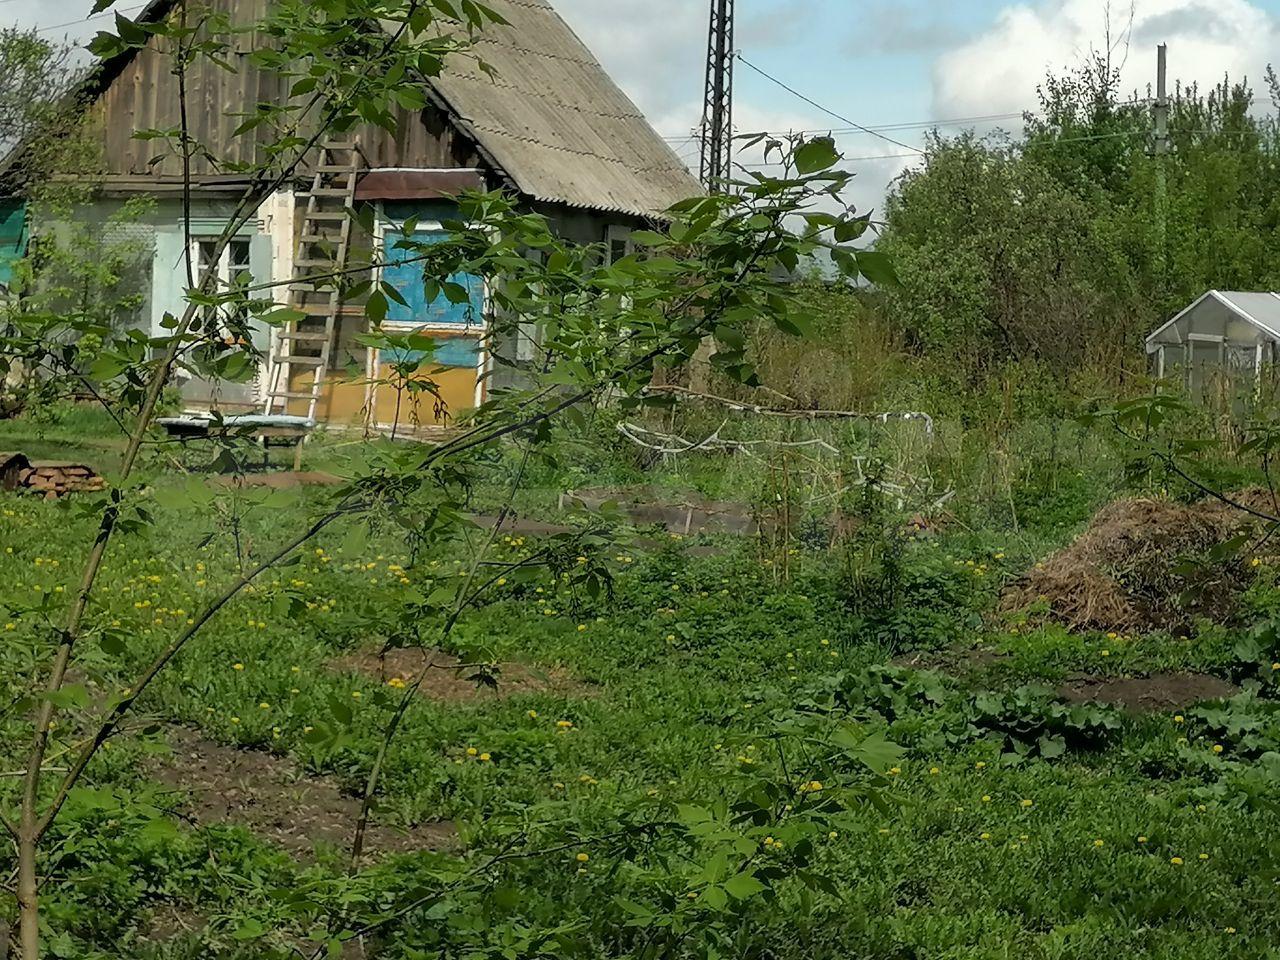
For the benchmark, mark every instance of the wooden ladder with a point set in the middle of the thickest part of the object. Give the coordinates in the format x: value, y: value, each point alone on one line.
x: 323, y: 247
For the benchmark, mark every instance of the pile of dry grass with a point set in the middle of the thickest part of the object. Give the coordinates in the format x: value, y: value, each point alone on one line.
x: 1129, y: 571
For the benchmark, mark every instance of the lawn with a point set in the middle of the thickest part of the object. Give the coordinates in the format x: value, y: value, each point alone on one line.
x: 711, y: 759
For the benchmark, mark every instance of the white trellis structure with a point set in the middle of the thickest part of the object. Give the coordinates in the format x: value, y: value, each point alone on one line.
x: 1226, y: 333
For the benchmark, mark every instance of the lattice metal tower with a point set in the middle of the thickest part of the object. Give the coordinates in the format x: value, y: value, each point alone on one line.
x: 717, y: 111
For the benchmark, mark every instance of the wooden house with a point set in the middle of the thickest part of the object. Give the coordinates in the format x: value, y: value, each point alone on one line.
x: 549, y: 125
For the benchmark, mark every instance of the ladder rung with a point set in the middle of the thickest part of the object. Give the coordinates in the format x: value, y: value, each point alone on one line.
x: 302, y: 336
x: 331, y: 215
x: 291, y: 395
x: 338, y: 145
x: 334, y: 168
x: 313, y: 262
x: 318, y: 238
x: 327, y: 192
x: 296, y: 361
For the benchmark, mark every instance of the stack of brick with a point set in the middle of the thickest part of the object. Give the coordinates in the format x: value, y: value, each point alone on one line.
x: 49, y: 478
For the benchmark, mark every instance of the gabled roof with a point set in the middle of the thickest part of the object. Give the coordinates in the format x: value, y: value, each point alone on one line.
x: 555, y: 120
x: 551, y: 119
x: 1259, y: 309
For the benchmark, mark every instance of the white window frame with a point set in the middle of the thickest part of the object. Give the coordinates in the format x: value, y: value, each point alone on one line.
x: 225, y: 277
x: 617, y: 233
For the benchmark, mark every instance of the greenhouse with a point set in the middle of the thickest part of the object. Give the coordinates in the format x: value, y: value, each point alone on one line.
x: 1221, y: 339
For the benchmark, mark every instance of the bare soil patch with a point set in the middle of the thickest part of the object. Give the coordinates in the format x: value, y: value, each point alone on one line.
x: 450, y: 680
x: 955, y: 662
x: 273, y: 799
x: 288, y: 479
x: 685, y: 514
x: 1152, y: 694
x: 1125, y: 571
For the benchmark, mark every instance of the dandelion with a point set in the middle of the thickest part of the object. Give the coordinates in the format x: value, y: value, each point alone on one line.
x: 356, y: 694
x: 472, y: 751
x: 1176, y: 861
x: 1027, y: 804
x: 235, y: 719
x: 984, y: 836
x: 397, y: 682
x: 986, y: 798
x: 564, y: 724
x: 533, y: 714
x: 1179, y: 719
x: 934, y: 771
x: 980, y: 764
x: 583, y: 857
x: 264, y: 706
x: 832, y: 835
x: 1217, y: 748
x: 894, y: 771
x: 1229, y: 930
x: 237, y: 666
x: 1099, y: 843
x: 1142, y: 839
x: 884, y: 831
x: 1204, y: 856
x: 485, y: 758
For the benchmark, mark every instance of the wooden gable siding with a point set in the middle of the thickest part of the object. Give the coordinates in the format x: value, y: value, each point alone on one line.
x: 144, y: 96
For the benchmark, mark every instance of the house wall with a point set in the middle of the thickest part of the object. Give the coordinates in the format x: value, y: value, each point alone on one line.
x: 153, y: 234
x: 576, y: 226
x: 143, y: 95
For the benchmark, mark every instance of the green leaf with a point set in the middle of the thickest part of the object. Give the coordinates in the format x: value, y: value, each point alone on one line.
x: 877, y: 268
x: 878, y: 753
x: 1051, y: 746
x: 690, y: 815
x: 715, y: 898
x: 743, y: 885
x: 249, y: 929
x: 71, y: 696
x: 816, y: 155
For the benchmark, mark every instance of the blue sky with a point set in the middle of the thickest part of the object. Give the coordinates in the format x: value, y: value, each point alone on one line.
x: 880, y: 63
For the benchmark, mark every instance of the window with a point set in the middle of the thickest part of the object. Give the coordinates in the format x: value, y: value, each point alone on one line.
x: 407, y: 274
x: 231, y: 266
x: 618, y: 240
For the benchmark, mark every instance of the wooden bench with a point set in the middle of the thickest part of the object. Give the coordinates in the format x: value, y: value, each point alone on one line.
x: 276, y: 430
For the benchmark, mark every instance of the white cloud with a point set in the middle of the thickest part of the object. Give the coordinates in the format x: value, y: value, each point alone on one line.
x: 998, y: 71
x: 652, y: 48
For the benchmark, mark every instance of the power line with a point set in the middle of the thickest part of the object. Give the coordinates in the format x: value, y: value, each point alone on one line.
x: 96, y: 16
x: 813, y: 103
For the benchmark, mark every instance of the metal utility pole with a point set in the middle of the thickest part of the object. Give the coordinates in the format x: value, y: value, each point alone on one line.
x: 717, y: 110
x: 1162, y: 150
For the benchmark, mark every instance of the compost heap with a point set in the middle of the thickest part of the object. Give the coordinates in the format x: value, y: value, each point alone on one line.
x: 1130, y: 569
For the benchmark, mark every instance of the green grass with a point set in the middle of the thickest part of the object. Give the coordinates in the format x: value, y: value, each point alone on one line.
x: 964, y: 852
